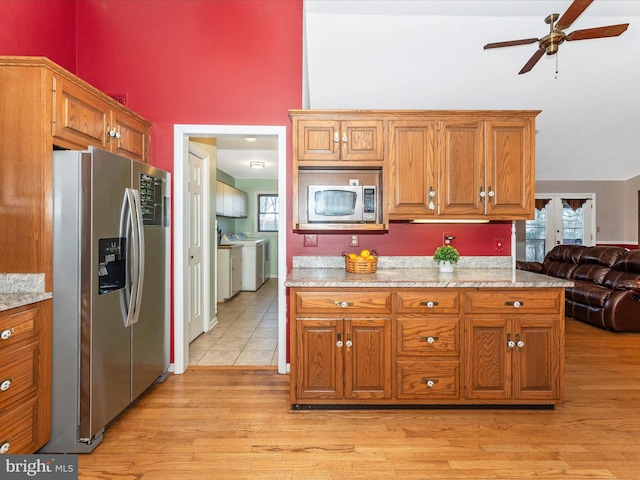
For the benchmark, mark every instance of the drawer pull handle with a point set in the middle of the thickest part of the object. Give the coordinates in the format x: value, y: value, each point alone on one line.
x: 514, y: 304
x: 4, y: 386
x: 343, y: 304
x: 4, y: 448
x: 6, y: 334
x: 429, y: 340
x: 429, y: 304
x: 430, y: 382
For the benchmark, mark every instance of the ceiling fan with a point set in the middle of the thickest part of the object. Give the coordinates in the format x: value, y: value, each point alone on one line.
x: 550, y: 42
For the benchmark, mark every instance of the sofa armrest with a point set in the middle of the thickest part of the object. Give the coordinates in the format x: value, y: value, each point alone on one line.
x: 622, y: 311
x: 529, y: 266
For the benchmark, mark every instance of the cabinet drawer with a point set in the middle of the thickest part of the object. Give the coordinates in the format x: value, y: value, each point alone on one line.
x: 428, y: 301
x: 20, y: 325
x: 425, y: 380
x: 17, y: 432
x: 428, y: 337
x: 343, y: 302
x: 18, y: 374
x: 513, y: 301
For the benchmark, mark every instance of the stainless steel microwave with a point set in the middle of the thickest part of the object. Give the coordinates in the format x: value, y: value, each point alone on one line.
x: 342, y: 203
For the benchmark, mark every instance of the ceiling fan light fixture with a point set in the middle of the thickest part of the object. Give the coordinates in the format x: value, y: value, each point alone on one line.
x: 257, y: 164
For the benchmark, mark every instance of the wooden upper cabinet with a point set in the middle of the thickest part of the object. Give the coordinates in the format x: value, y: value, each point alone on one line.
x: 128, y: 136
x: 412, y: 173
x: 334, y: 140
x: 79, y: 118
x: 510, y: 171
x: 82, y: 118
x: 461, y: 150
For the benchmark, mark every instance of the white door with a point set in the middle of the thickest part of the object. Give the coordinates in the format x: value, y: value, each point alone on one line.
x: 196, y: 317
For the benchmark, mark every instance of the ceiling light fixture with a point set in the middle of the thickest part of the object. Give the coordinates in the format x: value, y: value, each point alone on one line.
x: 256, y: 164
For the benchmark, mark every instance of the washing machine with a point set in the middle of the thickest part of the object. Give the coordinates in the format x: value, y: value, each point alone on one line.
x: 253, y: 259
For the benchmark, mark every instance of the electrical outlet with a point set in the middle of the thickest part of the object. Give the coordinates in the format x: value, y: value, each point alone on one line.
x: 499, y: 244
x: 447, y: 238
x: 310, y: 240
x: 354, y: 241
x: 354, y: 182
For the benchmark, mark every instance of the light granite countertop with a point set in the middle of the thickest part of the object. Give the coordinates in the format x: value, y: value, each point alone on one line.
x: 19, y: 289
x: 483, y: 273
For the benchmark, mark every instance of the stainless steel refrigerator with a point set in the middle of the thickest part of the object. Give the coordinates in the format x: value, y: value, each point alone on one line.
x: 110, y: 291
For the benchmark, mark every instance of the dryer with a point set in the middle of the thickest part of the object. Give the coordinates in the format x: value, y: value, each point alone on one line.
x: 253, y: 259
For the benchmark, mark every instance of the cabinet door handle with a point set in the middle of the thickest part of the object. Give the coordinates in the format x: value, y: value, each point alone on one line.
x: 514, y: 304
x: 430, y: 382
x: 429, y: 304
x: 491, y: 194
x: 6, y: 334
x: 343, y: 304
x: 432, y: 194
x: 344, y: 137
x: 482, y: 194
x: 348, y: 343
x: 339, y: 342
x: 336, y: 137
x: 510, y: 343
x: 4, y: 448
x: 519, y: 343
x: 430, y: 340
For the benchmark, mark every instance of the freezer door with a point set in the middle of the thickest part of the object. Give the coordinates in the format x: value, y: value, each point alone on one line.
x: 105, y: 373
x: 150, y: 344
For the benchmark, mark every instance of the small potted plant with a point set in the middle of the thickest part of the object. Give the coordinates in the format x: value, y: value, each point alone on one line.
x: 446, y: 256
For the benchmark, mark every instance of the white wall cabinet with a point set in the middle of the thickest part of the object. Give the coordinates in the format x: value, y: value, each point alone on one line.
x: 229, y: 271
x: 230, y: 202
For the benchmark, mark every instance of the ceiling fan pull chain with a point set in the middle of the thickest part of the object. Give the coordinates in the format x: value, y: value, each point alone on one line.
x: 557, y: 55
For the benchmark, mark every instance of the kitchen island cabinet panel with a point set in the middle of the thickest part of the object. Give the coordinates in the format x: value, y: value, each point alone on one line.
x: 399, y: 345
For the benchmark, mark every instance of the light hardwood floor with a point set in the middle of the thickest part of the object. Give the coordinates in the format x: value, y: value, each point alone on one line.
x: 235, y: 423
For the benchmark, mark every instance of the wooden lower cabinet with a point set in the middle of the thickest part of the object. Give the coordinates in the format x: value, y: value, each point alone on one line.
x: 25, y: 385
x: 427, y: 346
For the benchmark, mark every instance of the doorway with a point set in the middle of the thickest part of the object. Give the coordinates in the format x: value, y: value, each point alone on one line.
x: 182, y: 134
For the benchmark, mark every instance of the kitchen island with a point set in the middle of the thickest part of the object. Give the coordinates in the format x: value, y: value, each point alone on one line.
x: 406, y: 337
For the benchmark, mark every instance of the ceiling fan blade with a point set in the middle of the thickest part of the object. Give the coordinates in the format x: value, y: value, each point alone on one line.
x: 573, y: 12
x: 598, y: 32
x: 512, y: 43
x: 532, y: 61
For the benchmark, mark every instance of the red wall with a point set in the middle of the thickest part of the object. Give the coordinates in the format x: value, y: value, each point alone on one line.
x: 43, y: 28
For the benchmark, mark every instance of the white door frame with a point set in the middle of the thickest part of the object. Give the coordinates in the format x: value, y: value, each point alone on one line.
x: 181, y: 135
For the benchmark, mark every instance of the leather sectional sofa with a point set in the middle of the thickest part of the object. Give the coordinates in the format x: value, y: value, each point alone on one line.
x: 606, y: 290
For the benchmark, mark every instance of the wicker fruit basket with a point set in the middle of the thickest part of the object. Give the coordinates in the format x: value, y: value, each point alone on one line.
x: 361, y: 265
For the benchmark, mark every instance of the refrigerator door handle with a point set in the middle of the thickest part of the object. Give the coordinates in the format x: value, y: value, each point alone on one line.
x: 131, y: 224
x: 139, y: 259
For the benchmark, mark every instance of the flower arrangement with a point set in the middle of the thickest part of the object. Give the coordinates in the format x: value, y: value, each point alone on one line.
x: 446, y: 253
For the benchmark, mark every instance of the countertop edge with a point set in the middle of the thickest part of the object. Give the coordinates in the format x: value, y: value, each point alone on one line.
x: 15, y: 300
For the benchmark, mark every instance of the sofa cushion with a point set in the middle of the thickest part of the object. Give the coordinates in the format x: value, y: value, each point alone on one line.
x: 591, y: 272
x: 607, y: 256
x: 587, y: 293
x: 625, y: 274
x: 566, y: 253
x: 558, y: 269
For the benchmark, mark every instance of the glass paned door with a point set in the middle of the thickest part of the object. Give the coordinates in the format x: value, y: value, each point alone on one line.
x: 567, y: 219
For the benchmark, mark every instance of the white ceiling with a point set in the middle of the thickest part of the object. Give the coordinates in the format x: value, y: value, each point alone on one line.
x: 234, y: 153
x: 428, y: 54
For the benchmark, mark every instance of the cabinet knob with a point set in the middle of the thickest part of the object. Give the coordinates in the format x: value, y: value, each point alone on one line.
x: 430, y: 340
x: 429, y: 382
x: 429, y: 304
x: 343, y: 304
x: 339, y: 342
x: 6, y: 334
x: 510, y: 343
x: 4, y: 448
x: 482, y: 194
x: 336, y: 137
x: 491, y: 194
x: 519, y: 343
x: 344, y: 137
x: 514, y: 304
x: 4, y: 386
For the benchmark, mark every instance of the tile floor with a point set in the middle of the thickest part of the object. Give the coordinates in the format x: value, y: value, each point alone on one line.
x: 246, y: 332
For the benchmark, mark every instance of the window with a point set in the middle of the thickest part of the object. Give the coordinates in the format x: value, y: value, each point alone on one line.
x: 268, y: 211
